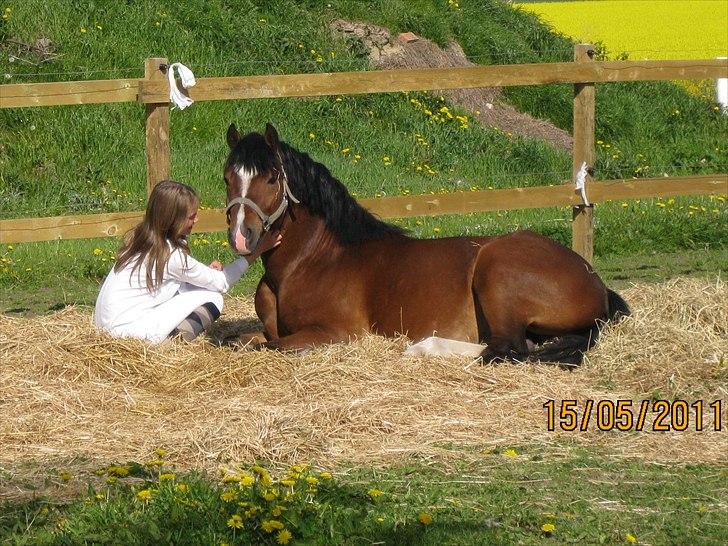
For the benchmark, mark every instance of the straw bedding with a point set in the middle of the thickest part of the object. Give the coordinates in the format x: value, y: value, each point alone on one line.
x: 68, y: 391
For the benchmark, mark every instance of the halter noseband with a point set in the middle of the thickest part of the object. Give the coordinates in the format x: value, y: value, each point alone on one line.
x: 268, y: 219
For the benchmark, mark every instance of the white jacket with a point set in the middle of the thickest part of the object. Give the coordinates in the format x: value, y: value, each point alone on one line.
x: 126, y: 308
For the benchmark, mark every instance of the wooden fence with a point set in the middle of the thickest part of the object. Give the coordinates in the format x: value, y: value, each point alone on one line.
x: 583, y: 72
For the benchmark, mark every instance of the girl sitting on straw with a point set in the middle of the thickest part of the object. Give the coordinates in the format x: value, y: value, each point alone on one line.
x: 156, y: 289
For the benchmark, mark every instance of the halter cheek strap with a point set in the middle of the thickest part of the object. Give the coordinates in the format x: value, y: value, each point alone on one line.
x: 267, y: 219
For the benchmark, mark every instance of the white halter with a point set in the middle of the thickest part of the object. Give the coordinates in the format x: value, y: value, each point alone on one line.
x: 268, y: 219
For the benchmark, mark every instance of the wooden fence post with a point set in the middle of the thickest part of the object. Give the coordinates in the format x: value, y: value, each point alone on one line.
x: 582, y: 225
x: 157, y: 128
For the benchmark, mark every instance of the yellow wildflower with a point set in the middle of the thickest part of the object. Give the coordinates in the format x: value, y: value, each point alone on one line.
x: 325, y: 475
x: 374, y: 493
x: 167, y: 476
x: 98, y: 252
x: 311, y: 480
x: 160, y: 453
x: 630, y: 538
x: 228, y: 496
x: 119, y: 471
x: 510, y: 453
x: 65, y: 476
x: 425, y: 518
x: 155, y: 462
x: 271, y: 525
x: 145, y: 495
x: 270, y: 494
x: 182, y: 487
x: 288, y: 483
x: 235, y: 522
x: 548, y: 527
x: 284, y: 536
x: 247, y: 481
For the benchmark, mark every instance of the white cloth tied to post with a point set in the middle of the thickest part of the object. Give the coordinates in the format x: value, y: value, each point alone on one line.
x: 580, y: 182
x: 186, y: 78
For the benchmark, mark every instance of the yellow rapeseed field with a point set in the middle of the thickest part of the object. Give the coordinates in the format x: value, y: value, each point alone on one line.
x: 645, y: 29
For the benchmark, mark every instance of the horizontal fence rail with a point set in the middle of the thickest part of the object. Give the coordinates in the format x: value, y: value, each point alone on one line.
x: 24, y: 230
x: 349, y: 83
x: 152, y: 92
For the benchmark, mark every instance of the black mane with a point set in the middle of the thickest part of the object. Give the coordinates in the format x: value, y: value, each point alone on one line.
x: 317, y: 189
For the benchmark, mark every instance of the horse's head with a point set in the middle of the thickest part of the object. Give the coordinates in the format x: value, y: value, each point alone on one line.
x: 257, y: 186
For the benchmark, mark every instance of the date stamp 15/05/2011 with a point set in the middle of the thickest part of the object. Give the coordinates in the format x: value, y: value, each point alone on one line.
x: 630, y: 415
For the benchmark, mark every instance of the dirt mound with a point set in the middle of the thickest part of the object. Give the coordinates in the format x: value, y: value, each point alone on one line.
x: 485, y: 104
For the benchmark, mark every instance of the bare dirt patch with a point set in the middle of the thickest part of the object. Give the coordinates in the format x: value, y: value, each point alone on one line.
x: 485, y: 104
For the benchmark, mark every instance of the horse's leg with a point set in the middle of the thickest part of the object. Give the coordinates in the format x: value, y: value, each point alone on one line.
x: 266, y: 307
x: 502, y: 328
x: 506, y: 343
x: 307, y: 338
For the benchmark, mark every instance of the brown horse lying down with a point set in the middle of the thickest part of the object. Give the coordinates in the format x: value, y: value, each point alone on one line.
x: 340, y: 271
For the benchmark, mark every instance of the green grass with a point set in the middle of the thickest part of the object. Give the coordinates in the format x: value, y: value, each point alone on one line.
x: 501, y: 496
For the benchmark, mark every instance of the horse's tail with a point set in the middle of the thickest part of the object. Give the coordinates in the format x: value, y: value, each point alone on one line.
x: 617, y: 307
x: 566, y: 350
x: 569, y: 349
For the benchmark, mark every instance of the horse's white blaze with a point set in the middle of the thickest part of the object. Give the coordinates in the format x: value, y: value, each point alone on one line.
x: 246, y: 177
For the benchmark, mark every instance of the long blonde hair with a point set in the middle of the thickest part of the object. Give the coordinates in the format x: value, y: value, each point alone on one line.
x: 164, y: 222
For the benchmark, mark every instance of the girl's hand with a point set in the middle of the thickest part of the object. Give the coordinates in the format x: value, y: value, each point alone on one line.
x: 269, y: 240
x: 217, y: 266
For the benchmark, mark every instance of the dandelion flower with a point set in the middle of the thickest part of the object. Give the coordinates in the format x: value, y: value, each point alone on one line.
x: 98, y: 252
x: 270, y: 494
x: 425, y: 518
x: 228, y: 496
x: 288, y: 483
x: 510, y: 453
x: 182, y: 487
x: 271, y: 525
x: 65, y: 476
x: 284, y: 536
x: 247, y: 481
x: 374, y: 493
x: 630, y: 538
x: 144, y: 495
x: 548, y: 527
x: 235, y: 522
x: 167, y: 476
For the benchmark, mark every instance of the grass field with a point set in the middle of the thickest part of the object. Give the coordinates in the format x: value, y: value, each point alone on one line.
x: 519, y: 495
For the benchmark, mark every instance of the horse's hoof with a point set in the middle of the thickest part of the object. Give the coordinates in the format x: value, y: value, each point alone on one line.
x: 252, y: 340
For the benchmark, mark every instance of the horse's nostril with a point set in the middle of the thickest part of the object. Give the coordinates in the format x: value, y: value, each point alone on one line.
x: 248, y: 233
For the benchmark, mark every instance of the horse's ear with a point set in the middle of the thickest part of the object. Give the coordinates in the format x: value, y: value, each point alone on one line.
x: 233, y: 137
x: 271, y: 137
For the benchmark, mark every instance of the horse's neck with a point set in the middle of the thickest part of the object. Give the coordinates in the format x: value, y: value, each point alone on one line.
x: 305, y: 238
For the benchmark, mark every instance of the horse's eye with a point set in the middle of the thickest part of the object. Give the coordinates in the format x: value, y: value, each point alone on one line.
x: 274, y: 175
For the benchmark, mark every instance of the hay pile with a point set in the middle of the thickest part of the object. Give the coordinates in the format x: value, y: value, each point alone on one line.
x: 67, y: 390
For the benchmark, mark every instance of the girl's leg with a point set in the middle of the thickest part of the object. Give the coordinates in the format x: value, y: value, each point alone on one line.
x: 197, y: 322
x: 157, y: 325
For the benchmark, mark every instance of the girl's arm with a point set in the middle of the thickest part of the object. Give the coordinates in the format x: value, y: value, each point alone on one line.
x: 191, y: 271
x: 188, y: 269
